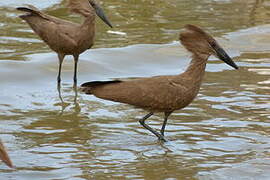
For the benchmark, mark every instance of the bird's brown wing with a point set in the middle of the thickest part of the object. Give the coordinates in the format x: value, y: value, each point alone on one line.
x: 57, y: 33
x: 33, y: 11
x: 150, y: 93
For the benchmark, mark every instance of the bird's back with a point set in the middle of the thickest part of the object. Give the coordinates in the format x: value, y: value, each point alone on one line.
x: 60, y: 35
x: 160, y: 93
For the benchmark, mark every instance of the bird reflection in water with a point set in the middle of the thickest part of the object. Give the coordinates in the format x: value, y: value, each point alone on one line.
x: 63, y: 104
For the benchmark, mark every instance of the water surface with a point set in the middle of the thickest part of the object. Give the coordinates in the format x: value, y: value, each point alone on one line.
x: 223, y: 134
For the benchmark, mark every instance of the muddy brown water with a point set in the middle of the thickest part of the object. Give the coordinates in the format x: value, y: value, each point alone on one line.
x: 223, y: 134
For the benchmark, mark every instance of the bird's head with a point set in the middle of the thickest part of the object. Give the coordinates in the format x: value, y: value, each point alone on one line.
x: 99, y: 11
x: 201, y: 43
x: 88, y: 8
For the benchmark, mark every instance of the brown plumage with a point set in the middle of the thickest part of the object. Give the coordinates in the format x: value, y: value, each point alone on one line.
x: 64, y: 37
x: 165, y: 93
x: 4, y: 155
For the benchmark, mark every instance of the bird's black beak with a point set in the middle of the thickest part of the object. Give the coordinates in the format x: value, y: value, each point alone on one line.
x: 222, y: 55
x: 100, y: 13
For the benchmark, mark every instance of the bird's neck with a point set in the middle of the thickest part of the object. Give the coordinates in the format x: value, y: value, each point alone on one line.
x: 89, y: 21
x: 196, y: 69
x: 87, y: 30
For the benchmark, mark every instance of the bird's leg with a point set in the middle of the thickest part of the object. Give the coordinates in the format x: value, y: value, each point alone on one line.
x: 75, y: 86
x: 63, y: 104
x: 60, y: 58
x: 75, y: 94
x: 77, y: 107
x: 59, y: 93
x: 166, y: 115
x: 76, y: 58
x: 142, y: 122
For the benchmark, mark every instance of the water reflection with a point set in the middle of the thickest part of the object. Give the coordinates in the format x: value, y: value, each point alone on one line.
x: 63, y: 104
x: 58, y: 133
x: 257, y: 11
x: 141, y: 22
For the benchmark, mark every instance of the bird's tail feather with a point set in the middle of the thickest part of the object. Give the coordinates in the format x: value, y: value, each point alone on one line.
x: 31, y: 10
x: 88, y: 86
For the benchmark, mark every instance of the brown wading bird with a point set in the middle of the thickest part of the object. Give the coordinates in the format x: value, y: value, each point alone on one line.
x: 64, y: 37
x: 4, y: 155
x: 165, y: 93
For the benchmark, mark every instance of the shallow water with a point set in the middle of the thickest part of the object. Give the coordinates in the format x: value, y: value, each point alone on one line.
x: 223, y: 134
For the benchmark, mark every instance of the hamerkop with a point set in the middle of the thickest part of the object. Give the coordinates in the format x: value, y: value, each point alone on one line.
x: 165, y: 93
x: 64, y: 37
x: 4, y: 155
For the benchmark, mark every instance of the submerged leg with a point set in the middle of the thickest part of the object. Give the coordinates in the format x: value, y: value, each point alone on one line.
x: 60, y: 58
x: 142, y: 121
x: 76, y: 58
x: 77, y: 107
x: 59, y: 93
x: 166, y: 115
